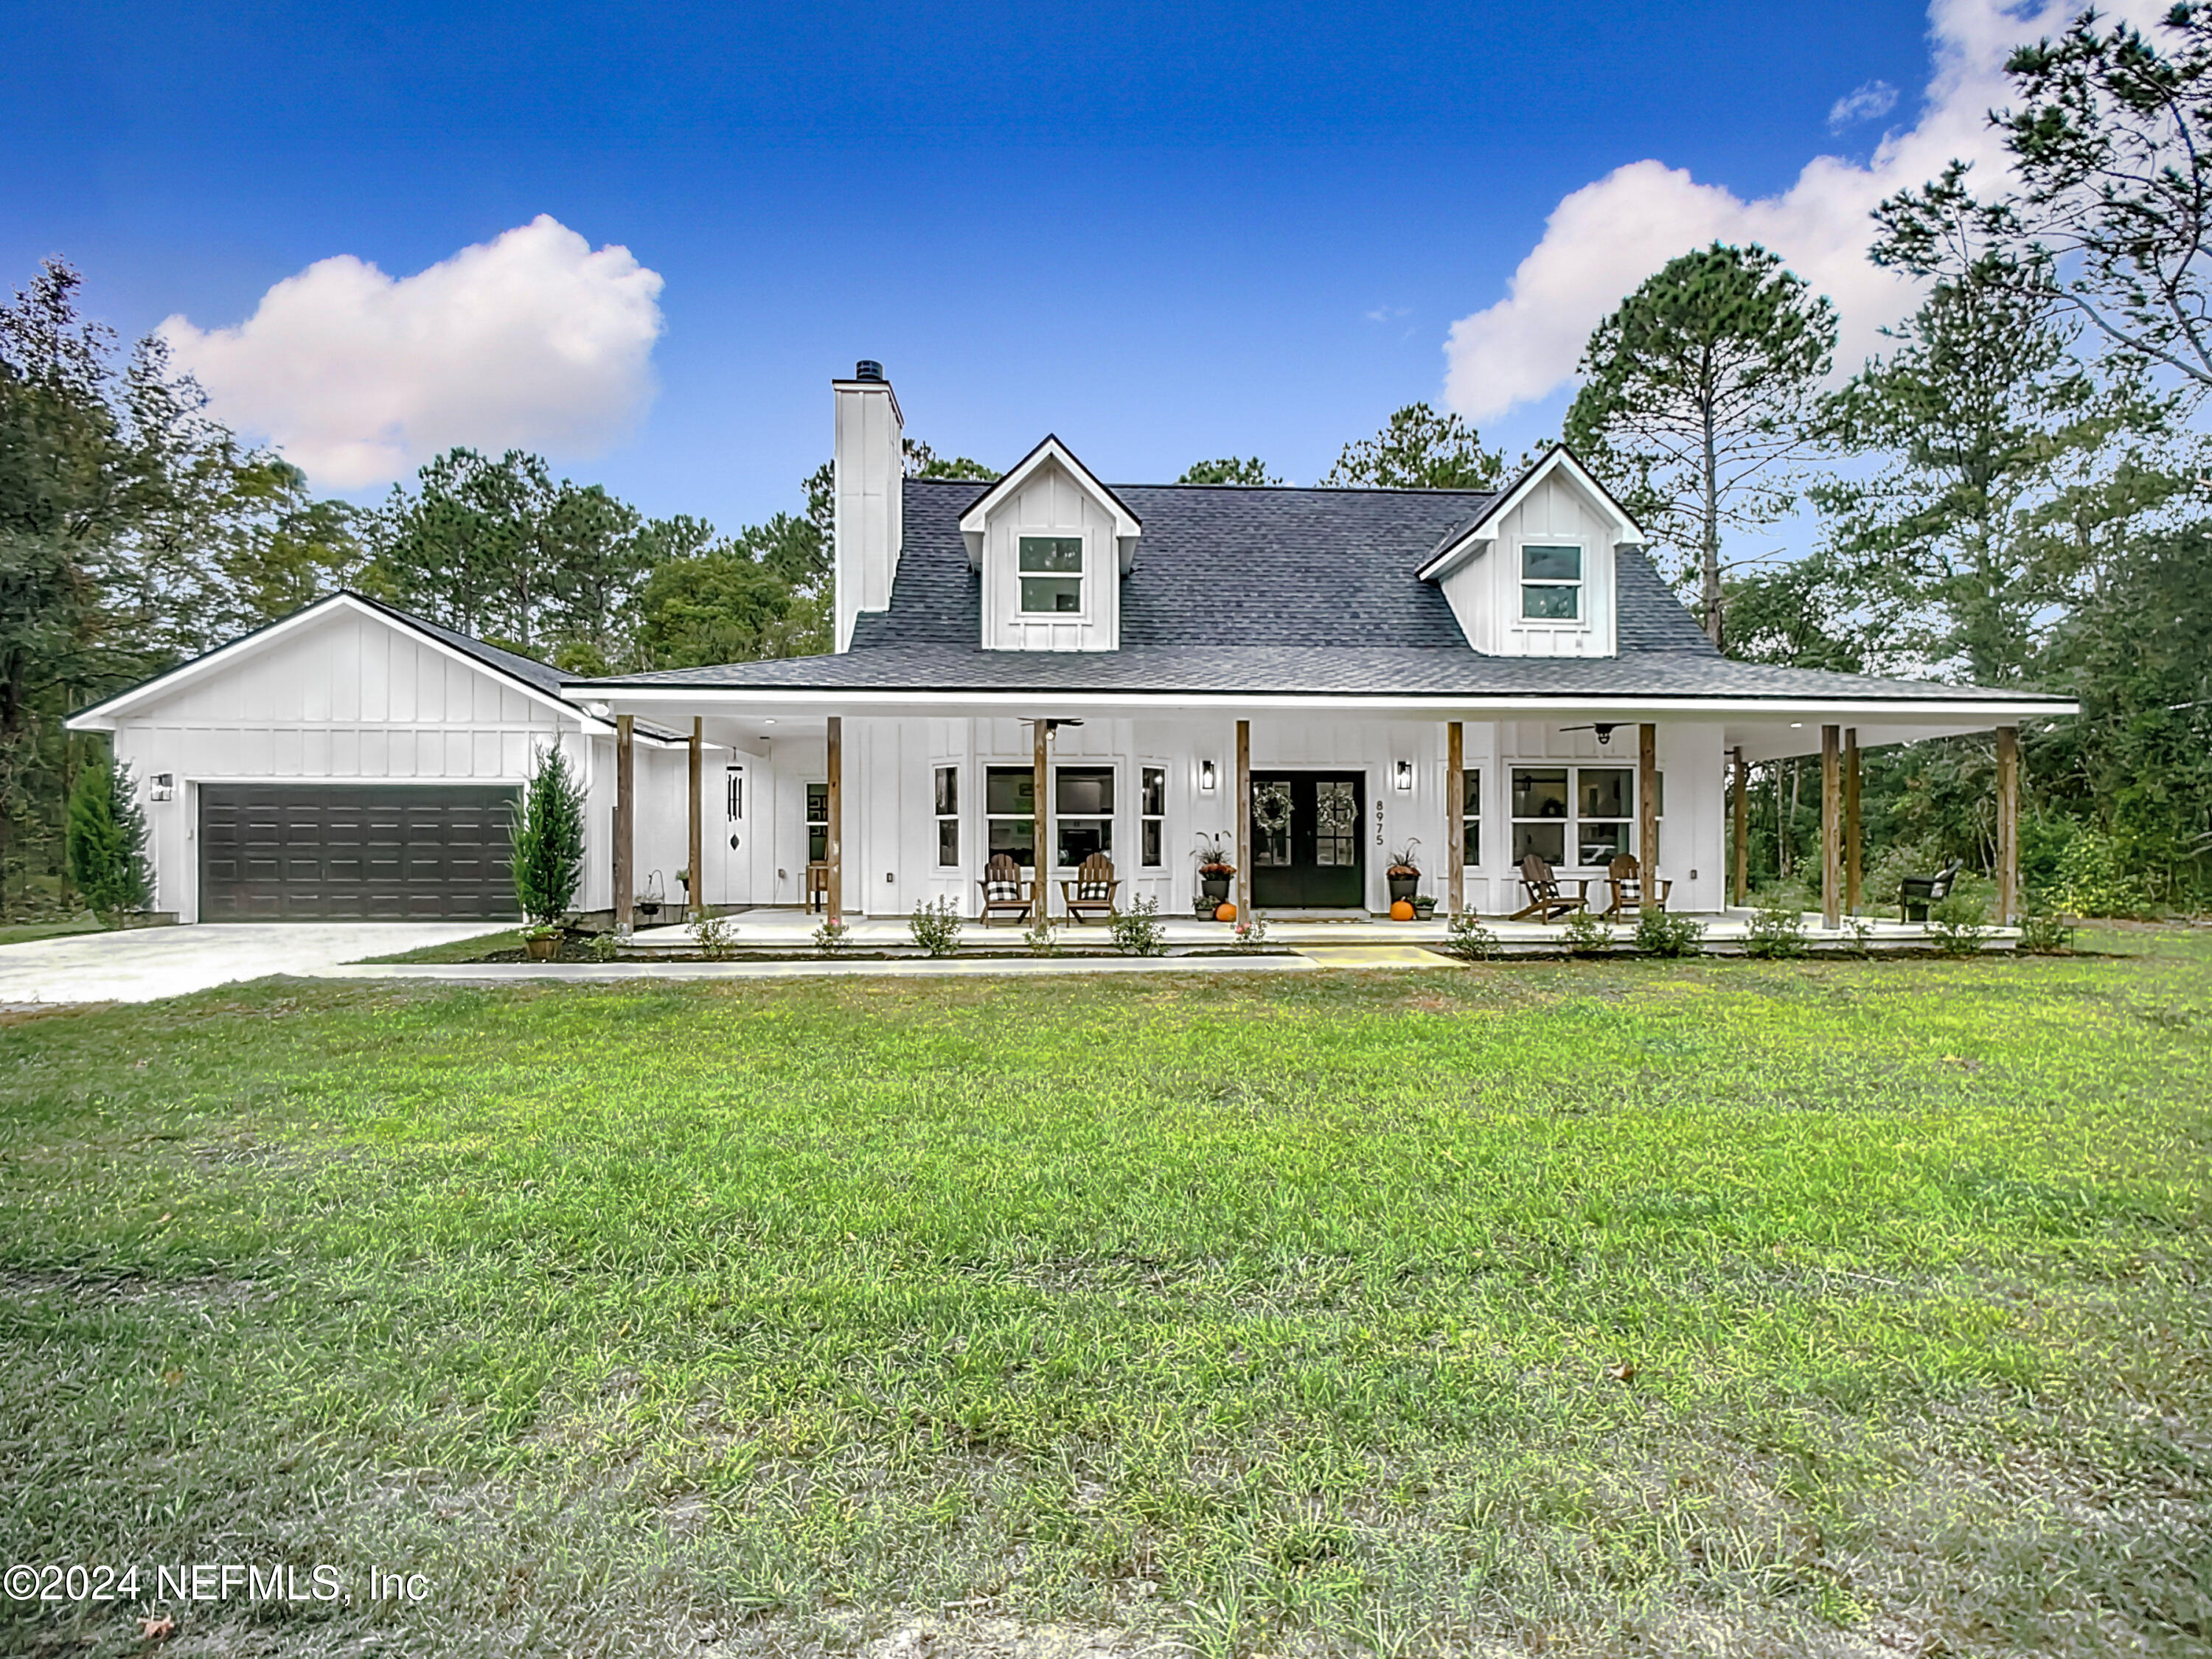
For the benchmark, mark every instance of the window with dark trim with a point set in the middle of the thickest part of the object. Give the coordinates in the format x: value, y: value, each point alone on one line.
x: 1010, y: 813
x: 1083, y: 813
x: 1470, y: 815
x: 1151, y: 808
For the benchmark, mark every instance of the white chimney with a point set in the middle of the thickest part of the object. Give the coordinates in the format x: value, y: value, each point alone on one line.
x: 870, y: 459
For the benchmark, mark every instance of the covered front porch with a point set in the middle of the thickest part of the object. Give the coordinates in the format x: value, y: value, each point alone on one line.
x: 805, y: 808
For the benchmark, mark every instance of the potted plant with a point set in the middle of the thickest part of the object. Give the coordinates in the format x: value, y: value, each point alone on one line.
x: 1403, y: 875
x: 1215, y: 871
x: 542, y: 942
x: 1424, y: 906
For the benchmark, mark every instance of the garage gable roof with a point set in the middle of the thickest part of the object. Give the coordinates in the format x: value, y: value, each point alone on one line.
x: 538, y: 681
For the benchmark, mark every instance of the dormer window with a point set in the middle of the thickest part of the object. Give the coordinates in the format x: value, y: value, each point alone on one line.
x: 1551, y: 582
x: 1052, y: 575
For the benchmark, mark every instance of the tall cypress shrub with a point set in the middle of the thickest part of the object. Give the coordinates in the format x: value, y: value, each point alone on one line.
x: 548, y: 840
x: 105, y: 842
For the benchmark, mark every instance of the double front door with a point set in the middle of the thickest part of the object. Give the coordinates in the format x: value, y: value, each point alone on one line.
x: 1307, y: 848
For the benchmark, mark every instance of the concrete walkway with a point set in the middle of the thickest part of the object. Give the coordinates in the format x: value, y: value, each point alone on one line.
x: 141, y: 965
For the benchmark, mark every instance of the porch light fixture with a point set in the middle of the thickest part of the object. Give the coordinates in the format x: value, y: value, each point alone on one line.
x: 161, y: 786
x: 1206, y: 777
x: 1404, y: 776
x: 598, y: 711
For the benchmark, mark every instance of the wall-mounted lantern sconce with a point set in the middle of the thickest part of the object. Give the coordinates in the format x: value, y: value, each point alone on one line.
x: 1206, y: 777
x: 1403, y: 775
x: 161, y: 786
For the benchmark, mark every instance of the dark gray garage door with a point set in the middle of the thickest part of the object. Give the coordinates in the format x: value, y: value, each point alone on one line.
x: 378, y: 852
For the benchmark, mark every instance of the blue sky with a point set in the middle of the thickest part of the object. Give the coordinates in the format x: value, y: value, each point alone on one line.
x: 1166, y: 233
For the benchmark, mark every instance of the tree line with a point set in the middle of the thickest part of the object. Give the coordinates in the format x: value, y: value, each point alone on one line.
x: 2012, y: 491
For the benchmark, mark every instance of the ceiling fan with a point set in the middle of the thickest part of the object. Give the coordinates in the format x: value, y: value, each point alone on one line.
x: 1603, y: 728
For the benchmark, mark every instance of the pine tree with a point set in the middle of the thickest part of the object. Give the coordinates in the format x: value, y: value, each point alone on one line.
x: 548, y: 840
x: 107, y: 843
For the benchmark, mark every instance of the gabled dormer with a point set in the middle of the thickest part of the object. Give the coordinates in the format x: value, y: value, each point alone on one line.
x: 1532, y: 575
x: 1051, y: 544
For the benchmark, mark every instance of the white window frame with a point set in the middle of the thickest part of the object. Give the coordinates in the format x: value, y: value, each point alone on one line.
x: 1571, y: 823
x: 941, y: 818
x: 1083, y: 577
x: 1152, y: 820
x: 1111, y: 820
x: 1581, y: 584
x: 1470, y: 817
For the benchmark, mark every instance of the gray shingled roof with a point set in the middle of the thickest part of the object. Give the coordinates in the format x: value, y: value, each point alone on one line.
x: 1269, y: 591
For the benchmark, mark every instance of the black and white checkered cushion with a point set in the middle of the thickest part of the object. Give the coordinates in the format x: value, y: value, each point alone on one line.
x: 1002, y: 890
x: 1092, y: 890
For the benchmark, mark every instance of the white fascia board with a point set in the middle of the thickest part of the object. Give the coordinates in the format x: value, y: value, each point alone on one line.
x: 102, y: 716
x: 1558, y: 459
x: 1126, y: 523
x: 1972, y: 716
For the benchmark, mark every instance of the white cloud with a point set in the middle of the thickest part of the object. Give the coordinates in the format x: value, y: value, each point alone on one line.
x: 530, y: 339
x: 1868, y: 102
x: 1606, y: 238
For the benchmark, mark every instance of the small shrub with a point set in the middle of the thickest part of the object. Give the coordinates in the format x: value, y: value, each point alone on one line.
x: 833, y: 934
x: 1663, y: 933
x: 1858, y: 934
x: 1252, y: 933
x: 604, y: 947
x: 2094, y: 879
x: 1776, y: 929
x: 1466, y: 938
x: 1589, y: 933
x: 717, y: 937
x: 936, y: 927
x: 1138, y: 931
x: 106, y: 843
x: 2046, y: 935
x: 1040, y: 939
x: 1958, y: 924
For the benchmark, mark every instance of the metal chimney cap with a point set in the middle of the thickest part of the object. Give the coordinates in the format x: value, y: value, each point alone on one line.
x: 868, y: 369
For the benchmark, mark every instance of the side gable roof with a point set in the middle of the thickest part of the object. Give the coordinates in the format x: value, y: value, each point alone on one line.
x: 1558, y: 458
x: 1126, y: 522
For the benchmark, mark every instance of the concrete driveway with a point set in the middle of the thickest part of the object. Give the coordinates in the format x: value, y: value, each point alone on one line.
x: 142, y: 964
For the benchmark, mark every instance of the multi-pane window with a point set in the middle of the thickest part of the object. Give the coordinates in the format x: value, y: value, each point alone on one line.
x: 1083, y: 813
x: 1051, y: 574
x: 1336, y: 821
x: 817, y: 822
x: 1579, y: 815
x: 1551, y: 583
x: 1470, y: 816
x: 1010, y: 813
x: 1151, y: 822
x: 947, y: 802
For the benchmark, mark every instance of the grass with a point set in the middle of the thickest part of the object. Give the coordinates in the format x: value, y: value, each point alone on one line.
x: 1834, y: 1307
x: 475, y: 948
x: 22, y: 933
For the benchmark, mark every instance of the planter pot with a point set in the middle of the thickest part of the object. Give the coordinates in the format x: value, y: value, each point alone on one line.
x: 1401, y: 887
x: 1214, y: 887
x: 1203, y: 907
x: 1423, y: 909
x: 542, y: 950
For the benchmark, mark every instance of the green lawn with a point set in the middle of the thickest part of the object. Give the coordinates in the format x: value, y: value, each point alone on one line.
x: 22, y: 933
x: 1271, y: 1314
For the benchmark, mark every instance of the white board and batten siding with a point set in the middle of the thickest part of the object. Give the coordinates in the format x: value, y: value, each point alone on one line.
x: 347, y: 698
x: 1484, y: 590
x: 1051, y: 503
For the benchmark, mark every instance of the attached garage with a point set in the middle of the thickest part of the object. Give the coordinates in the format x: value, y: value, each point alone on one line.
x: 366, y: 852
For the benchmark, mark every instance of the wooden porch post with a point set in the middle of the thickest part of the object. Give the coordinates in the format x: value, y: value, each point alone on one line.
x: 2008, y: 825
x: 625, y: 814
x: 698, y: 818
x: 1647, y: 805
x: 1040, y: 824
x: 1242, y: 806
x: 1740, y: 831
x: 834, y: 841
x: 1853, y: 864
x: 1455, y: 812
x: 1831, y: 828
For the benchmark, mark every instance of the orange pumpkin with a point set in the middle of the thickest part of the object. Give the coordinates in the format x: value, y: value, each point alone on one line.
x: 1227, y: 913
x: 1402, y: 910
